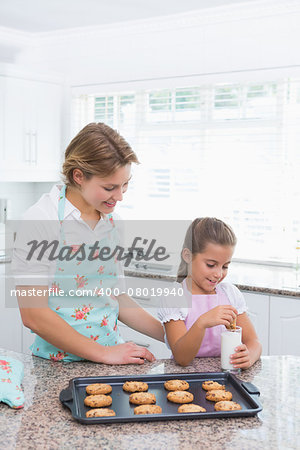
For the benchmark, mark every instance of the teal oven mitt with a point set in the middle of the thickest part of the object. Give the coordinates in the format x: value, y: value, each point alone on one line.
x: 11, y: 376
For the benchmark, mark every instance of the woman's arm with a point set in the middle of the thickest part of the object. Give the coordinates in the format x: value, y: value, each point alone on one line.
x: 249, y: 352
x: 185, y: 344
x: 137, y: 318
x: 52, y: 328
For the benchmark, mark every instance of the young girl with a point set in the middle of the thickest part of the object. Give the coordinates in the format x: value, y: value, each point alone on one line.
x: 194, y: 326
x: 75, y: 326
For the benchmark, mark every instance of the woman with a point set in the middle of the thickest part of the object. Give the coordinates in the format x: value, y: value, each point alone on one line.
x: 72, y: 217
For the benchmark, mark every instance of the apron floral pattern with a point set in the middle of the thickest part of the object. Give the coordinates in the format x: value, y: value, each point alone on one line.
x: 11, y: 376
x: 86, y: 303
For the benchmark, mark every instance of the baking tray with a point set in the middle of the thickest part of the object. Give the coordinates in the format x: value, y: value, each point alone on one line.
x: 244, y: 393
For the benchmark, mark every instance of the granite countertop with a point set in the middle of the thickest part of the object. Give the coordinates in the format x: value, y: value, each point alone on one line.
x: 45, y: 423
x: 264, y: 279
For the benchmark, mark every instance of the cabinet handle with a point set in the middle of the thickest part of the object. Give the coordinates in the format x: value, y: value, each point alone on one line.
x: 27, y: 147
x: 34, y: 148
x: 141, y: 298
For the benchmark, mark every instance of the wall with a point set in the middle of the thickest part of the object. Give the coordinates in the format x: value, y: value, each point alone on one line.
x: 21, y: 196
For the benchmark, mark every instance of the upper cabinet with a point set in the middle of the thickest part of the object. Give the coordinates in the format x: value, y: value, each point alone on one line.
x: 30, y: 127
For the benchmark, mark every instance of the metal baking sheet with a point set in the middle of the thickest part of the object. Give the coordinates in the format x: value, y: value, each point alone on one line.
x: 246, y: 394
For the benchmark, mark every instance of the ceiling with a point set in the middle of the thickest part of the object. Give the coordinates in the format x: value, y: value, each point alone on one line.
x: 50, y: 15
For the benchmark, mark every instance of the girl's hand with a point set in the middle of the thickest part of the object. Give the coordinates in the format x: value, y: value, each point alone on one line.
x: 220, y: 315
x: 128, y: 353
x: 241, y: 359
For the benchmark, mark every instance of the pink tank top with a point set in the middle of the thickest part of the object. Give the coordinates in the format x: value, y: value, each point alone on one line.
x: 211, y: 343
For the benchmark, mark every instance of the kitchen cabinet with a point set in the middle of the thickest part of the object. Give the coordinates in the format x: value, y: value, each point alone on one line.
x: 258, y: 311
x: 13, y: 335
x: 30, y: 116
x: 159, y: 349
x: 27, y: 339
x: 277, y: 322
x: 2, y: 80
x: 146, y: 293
x: 284, y: 325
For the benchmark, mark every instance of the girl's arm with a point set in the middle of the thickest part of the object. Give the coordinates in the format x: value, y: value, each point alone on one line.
x: 249, y: 352
x: 43, y: 321
x: 137, y: 318
x: 185, y: 344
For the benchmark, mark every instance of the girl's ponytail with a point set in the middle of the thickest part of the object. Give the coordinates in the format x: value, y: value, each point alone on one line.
x: 182, y: 271
x: 188, y: 243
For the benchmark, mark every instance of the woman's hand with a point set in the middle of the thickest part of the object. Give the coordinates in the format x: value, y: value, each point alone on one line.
x: 241, y: 359
x: 220, y: 315
x: 128, y: 353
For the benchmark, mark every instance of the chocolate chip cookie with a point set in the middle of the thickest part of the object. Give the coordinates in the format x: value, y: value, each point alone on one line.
x: 100, y: 412
x: 142, y: 398
x: 212, y: 385
x: 148, y: 409
x: 135, y: 386
x: 176, y: 385
x: 180, y: 397
x: 98, y: 388
x: 96, y: 401
x: 191, y: 407
x: 232, y: 325
x: 218, y: 395
x: 227, y: 406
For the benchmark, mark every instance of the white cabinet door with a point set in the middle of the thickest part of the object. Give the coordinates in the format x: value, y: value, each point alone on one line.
x: 258, y: 311
x: 30, y: 146
x: 27, y: 339
x: 48, y: 130
x: 147, y: 292
x: 16, y: 145
x: 284, y: 326
x: 159, y: 349
x: 2, y: 102
x: 20, y: 125
x: 10, y: 320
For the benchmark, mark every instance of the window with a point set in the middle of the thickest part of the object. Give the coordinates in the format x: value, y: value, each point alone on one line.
x: 226, y: 150
x: 173, y: 105
x: 104, y: 110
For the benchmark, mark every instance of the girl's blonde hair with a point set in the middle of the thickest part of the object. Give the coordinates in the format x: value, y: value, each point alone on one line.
x: 201, y: 232
x: 96, y: 150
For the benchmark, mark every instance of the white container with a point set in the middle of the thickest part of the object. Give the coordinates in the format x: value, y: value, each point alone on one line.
x: 229, y: 340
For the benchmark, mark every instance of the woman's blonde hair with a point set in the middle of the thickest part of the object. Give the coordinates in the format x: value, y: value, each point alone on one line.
x: 96, y: 150
x: 201, y: 232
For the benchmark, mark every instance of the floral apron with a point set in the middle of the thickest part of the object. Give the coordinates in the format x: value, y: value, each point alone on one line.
x: 95, y: 316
